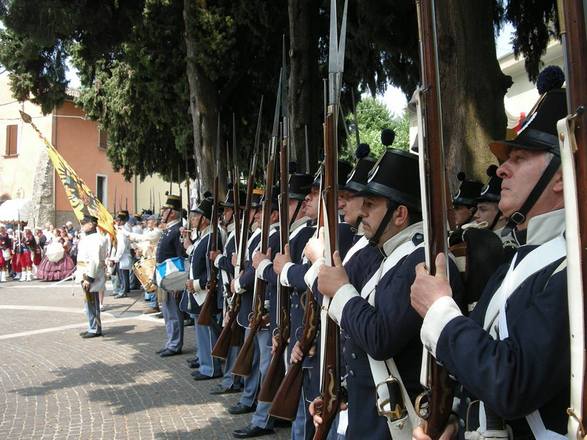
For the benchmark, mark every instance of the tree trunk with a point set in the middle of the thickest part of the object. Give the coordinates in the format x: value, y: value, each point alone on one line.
x: 204, y: 107
x: 472, y: 86
x: 305, y: 85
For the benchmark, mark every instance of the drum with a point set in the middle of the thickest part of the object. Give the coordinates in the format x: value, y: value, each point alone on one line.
x: 144, y: 269
x: 171, y: 274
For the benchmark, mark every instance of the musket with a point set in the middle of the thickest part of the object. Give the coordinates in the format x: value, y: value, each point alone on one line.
x: 307, y: 149
x: 225, y: 339
x: 330, y: 388
x: 434, y: 405
x: 285, y: 401
x: 208, y: 309
x: 179, y: 179
x: 115, y: 188
x: 244, y: 360
x: 187, y: 180
x: 276, y: 369
x: 235, y: 183
x: 573, y: 142
x: 357, y: 134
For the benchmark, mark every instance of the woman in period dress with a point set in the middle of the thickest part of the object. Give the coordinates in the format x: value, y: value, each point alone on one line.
x: 57, y: 264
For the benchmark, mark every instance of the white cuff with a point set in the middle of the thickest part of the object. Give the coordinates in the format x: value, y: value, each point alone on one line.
x: 340, y: 299
x: 217, y: 261
x: 198, y: 286
x: 283, y: 275
x: 200, y: 297
x: 312, y: 272
x: 237, y: 286
x: 264, y: 264
x: 442, y: 311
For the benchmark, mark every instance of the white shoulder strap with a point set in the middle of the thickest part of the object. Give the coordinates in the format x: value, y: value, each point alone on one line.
x: 387, y: 264
x: 360, y: 244
x: 381, y: 370
x: 536, y: 260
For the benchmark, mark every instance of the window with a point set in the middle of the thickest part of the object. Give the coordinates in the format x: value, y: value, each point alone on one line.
x: 11, y: 140
x: 102, y: 189
x: 103, y: 139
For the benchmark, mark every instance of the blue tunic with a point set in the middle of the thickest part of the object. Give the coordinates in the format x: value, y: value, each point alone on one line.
x: 390, y: 329
x: 528, y: 370
x: 200, y: 265
x: 170, y: 245
x: 247, y: 282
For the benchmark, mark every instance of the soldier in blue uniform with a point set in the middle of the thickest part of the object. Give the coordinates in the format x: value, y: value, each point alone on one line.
x: 197, y: 286
x: 360, y: 263
x: 511, y: 355
x: 261, y: 423
x: 301, y: 229
x: 292, y: 275
x: 380, y: 326
x: 246, y: 404
x: 170, y: 246
x: 222, y: 260
x: 464, y: 202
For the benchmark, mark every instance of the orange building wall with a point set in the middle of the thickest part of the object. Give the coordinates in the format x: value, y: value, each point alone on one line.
x: 77, y: 140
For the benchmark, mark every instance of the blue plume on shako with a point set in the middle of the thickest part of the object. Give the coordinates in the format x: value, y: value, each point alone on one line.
x: 362, y: 151
x: 551, y: 77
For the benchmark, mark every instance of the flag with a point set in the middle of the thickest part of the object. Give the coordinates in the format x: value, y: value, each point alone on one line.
x: 82, y: 199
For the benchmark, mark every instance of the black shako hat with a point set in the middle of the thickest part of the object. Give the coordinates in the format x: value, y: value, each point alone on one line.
x: 358, y: 176
x: 344, y: 169
x: 469, y: 191
x: 256, y: 198
x: 274, y: 198
x: 229, y: 200
x: 205, y: 207
x: 396, y: 177
x: 538, y: 132
x: 299, y: 185
x: 173, y: 202
x: 491, y: 192
x: 88, y: 218
x: 122, y: 216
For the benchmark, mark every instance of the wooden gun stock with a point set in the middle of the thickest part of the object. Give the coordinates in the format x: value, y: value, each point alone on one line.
x: 438, y: 401
x: 285, y: 401
x: 287, y: 397
x: 227, y: 335
x: 435, y: 404
x: 275, y: 373
x: 244, y: 361
x: 206, y: 316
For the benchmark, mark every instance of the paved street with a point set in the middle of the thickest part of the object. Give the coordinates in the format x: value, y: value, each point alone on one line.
x: 55, y: 385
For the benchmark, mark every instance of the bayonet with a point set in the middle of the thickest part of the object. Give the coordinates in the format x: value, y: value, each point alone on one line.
x: 330, y: 388
x: 357, y: 134
x: 307, y: 149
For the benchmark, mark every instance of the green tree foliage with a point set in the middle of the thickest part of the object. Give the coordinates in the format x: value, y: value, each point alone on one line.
x: 141, y: 97
x: 372, y: 117
x: 132, y: 61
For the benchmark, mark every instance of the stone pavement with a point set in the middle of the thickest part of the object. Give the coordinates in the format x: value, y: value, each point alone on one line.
x: 55, y: 385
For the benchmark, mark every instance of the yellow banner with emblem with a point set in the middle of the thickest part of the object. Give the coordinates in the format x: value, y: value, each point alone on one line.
x: 82, y: 199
